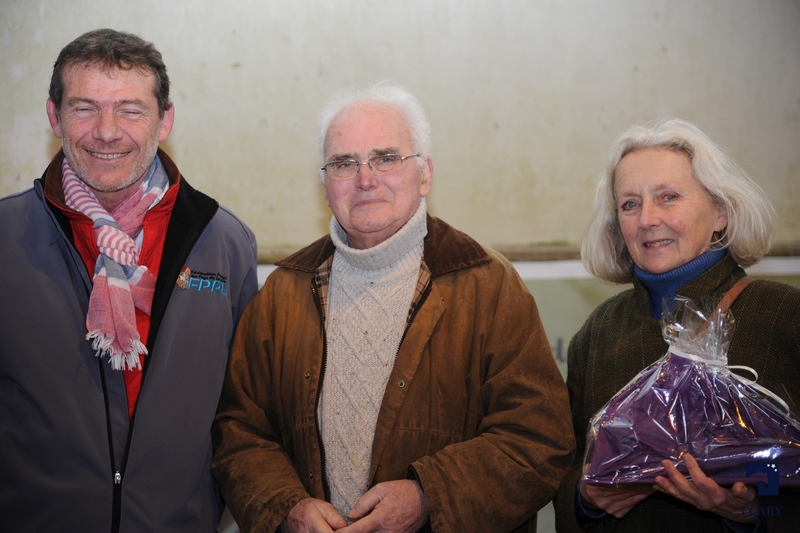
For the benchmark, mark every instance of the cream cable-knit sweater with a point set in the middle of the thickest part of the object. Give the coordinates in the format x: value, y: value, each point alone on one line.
x: 369, y: 296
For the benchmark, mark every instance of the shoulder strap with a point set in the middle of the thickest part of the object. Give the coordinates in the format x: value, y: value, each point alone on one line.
x: 732, y: 293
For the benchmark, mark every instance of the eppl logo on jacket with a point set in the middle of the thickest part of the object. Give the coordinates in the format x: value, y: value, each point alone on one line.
x: 201, y: 281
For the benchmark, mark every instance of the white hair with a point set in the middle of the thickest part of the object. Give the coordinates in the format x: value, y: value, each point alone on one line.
x: 752, y: 221
x: 384, y: 92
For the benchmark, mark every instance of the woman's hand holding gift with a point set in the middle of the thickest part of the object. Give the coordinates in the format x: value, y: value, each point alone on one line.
x: 704, y: 493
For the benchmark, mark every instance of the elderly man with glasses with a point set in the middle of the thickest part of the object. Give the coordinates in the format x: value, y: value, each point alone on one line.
x: 394, y: 375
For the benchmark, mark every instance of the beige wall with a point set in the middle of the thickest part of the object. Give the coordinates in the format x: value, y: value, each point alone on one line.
x: 524, y: 96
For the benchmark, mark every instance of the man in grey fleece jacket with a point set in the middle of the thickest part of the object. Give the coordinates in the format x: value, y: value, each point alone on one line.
x: 97, y: 434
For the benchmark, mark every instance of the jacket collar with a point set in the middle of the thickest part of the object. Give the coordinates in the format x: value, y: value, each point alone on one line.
x: 191, y: 213
x: 446, y: 250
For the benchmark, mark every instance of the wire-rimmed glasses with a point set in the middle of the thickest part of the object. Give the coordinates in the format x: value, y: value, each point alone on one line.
x: 345, y: 169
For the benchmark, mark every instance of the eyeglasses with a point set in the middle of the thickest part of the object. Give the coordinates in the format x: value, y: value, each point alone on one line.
x: 345, y: 169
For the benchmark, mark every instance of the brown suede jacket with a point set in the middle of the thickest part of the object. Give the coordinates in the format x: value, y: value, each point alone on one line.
x: 475, y: 408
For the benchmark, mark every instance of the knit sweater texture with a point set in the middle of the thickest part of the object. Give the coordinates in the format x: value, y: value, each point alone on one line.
x: 475, y: 408
x: 666, y: 284
x: 370, y: 293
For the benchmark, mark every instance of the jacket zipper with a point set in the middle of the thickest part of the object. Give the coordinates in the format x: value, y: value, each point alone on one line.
x: 422, y: 300
x: 116, y: 506
x: 320, y: 442
x: 118, y: 474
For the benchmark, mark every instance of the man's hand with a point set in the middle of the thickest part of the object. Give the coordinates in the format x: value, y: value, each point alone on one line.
x: 616, y: 502
x: 312, y: 516
x: 704, y: 493
x: 390, y: 507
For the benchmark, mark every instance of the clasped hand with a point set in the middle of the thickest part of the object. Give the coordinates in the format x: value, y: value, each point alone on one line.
x: 390, y: 507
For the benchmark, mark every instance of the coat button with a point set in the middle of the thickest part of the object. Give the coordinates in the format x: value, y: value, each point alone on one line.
x: 308, y: 375
x: 311, y: 475
x: 401, y: 384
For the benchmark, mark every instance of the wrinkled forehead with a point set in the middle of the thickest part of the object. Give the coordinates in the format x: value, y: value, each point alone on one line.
x: 365, y: 128
x: 108, y: 69
x: 81, y: 79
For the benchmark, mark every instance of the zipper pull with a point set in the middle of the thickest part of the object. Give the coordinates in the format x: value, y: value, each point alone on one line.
x: 117, y: 478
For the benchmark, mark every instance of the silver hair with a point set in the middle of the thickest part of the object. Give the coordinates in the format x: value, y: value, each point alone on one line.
x: 752, y: 221
x: 384, y: 92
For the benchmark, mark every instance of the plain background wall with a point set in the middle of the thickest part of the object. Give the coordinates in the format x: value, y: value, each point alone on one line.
x: 524, y: 96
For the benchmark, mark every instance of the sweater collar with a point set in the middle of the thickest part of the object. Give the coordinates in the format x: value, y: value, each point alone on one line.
x: 389, y: 251
x: 446, y: 250
x: 665, y: 285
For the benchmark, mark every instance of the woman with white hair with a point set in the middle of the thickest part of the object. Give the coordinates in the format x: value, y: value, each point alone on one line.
x: 675, y: 216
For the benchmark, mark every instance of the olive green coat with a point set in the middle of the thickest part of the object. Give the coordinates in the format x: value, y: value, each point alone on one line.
x: 620, y: 338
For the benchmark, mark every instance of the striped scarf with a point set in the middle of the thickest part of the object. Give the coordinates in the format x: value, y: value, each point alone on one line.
x: 120, y: 284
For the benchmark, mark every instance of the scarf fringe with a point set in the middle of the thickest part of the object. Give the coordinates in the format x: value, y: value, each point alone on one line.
x: 103, y: 344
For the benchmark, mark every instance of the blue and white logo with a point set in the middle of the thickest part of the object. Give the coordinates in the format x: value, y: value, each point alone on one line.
x: 202, y: 281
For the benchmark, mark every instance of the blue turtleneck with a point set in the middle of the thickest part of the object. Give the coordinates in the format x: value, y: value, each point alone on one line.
x: 667, y: 284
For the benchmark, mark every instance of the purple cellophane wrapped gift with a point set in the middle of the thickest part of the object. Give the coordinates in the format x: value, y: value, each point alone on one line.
x: 690, y: 401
